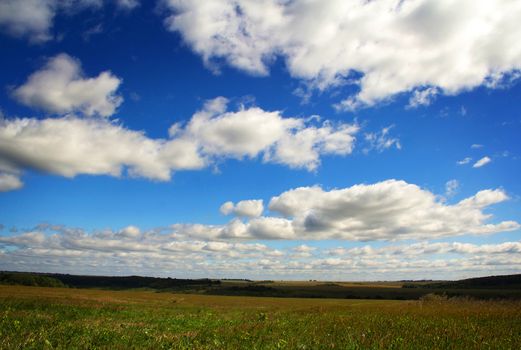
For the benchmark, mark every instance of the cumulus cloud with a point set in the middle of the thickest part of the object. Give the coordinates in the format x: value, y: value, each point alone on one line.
x: 482, y: 162
x: 9, y: 182
x: 27, y: 18
x: 33, y: 19
x: 69, y: 146
x: 385, y: 211
x: 72, y: 146
x: 61, y: 87
x: 295, y: 142
x: 160, y: 252
x: 385, y: 47
x: 429, y: 248
x: 247, y: 208
x: 130, y: 231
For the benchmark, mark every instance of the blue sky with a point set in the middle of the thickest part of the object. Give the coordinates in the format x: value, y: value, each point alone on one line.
x: 354, y: 141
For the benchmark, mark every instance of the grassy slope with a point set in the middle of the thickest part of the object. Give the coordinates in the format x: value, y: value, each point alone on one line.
x: 35, y: 317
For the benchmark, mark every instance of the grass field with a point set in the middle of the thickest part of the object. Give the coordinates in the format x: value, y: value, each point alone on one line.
x: 62, y: 318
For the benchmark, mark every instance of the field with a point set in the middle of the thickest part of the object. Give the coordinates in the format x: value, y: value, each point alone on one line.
x: 67, y: 318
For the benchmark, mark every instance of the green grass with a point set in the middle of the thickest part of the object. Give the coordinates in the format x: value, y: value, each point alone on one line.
x: 46, y: 318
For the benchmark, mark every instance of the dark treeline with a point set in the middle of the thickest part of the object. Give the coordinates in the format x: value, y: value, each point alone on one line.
x: 493, y: 287
x: 105, y: 282
x: 489, y: 282
x: 29, y: 279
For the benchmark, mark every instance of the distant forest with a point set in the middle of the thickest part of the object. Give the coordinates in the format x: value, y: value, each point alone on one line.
x: 505, y: 281
x: 103, y: 282
x: 492, y: 287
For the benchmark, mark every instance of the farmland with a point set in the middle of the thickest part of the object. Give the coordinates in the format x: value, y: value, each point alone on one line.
x: 68, y: 318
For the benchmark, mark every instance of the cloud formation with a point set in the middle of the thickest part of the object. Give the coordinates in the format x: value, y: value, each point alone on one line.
x: 451, y: 187
x: 482, y: 162
x: 160, y: 252
x: 61, y: 87
x: 247, y: 208
x: 33, y: 19
x: 386, y: 211
x: 70, y: 146
x: 422, y: 97
x: 464, y: 161
x: 27, y: 18
x: 425, y: 47
x: 9, y: 182
x: 127, y: 4
x: 381, y: 141
x: 295, y: 142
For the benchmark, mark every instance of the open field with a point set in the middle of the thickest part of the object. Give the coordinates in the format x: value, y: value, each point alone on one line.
x: 66, y: 318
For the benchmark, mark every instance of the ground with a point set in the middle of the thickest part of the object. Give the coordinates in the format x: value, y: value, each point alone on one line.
x: 66, y: 318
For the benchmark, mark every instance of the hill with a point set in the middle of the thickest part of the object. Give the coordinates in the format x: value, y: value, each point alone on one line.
x: 489, y: 282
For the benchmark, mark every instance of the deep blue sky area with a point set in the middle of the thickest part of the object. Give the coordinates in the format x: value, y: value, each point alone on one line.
x: 418, y: 145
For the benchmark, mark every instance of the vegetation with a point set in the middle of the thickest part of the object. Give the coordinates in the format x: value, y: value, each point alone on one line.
x: 46, y: 318
x: 495, y: 287
x: 107, y: 282
x: 369, y: 290
x: 489, y: 282
x: 28, y: 279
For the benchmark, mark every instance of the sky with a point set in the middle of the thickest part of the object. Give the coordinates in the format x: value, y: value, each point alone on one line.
x: 272, y: 139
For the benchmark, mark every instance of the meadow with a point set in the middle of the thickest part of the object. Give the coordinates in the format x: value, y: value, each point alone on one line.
x: 69, y: 318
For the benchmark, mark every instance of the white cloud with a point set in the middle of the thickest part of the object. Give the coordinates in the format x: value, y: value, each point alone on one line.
x: 303, y: 248
x: 385, y: 211
x: 246, y: 132
x: 422, y: 97
x: 397, y: 46
x: 9, y: 182
x: 271, y: 228
x: 72, y: 146
x: 429, y: 248
x: 476, y: 146
x: 69, y: 146
x: 381, y: 141
x: 33, y: 19
x: 66, y: 250
x: 483, y: 161
x: 130, y: 231
x: 451, y: 187
x: 464, y: 161
x: 27, y: 18
x: 247, y: 208
x: 484, y: 198
x: 60, y: 87
x: 295, y: 142
x: 127, y: 4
